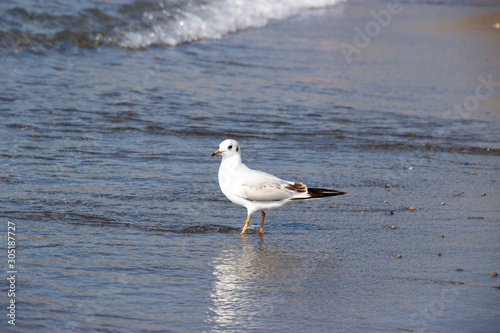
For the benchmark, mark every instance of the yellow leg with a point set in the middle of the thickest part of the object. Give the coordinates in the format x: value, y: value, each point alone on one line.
x: 262, y: 223
x: 246, y: 225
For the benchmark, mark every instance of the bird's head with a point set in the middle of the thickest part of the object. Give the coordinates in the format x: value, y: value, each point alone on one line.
x: 228, y: 148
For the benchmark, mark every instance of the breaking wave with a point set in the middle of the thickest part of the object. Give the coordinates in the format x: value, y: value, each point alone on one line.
x: 139, y: 24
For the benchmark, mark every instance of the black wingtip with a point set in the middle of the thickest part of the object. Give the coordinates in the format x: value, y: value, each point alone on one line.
x: 323, y: 192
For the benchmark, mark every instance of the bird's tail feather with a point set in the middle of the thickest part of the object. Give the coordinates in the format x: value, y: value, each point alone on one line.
x: 322, y: 192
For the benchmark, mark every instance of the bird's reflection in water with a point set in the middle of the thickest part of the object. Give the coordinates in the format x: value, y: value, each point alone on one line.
x: 253, y: 283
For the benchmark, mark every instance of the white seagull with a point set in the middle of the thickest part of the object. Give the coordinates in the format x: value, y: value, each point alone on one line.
x: 256, y: 190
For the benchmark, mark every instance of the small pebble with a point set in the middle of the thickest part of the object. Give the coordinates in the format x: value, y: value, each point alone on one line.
x: 442, y: 203
x: 483, y: 194
x: 385, y: 201
x: 388, y: 185
x: 394, y: 227
x: 412, y: 208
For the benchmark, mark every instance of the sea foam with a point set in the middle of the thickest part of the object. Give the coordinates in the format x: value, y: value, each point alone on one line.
x: 174, y: 23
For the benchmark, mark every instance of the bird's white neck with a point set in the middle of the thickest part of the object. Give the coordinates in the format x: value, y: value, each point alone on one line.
x: 229, y: 169
x: 231, y: 162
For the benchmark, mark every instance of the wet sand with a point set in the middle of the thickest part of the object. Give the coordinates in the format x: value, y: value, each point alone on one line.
x: 444, y: 280
x: 426, y: 46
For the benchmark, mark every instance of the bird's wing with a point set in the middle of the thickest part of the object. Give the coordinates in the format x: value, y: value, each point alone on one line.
x: 262, y: 187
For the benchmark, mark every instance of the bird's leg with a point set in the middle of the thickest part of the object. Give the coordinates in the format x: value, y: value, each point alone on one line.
x: 262, y: 223
x: 246, y: 225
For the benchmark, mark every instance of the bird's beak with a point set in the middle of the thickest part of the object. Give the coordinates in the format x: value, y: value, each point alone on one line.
x: 218, y: 152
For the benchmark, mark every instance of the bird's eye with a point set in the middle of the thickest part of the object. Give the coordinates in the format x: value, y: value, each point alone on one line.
x: 230, y: 147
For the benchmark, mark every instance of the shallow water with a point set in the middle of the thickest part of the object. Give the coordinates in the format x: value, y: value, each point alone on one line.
x: 106, y: 172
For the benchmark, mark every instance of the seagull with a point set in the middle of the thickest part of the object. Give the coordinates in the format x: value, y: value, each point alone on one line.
x: 256, y: 190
